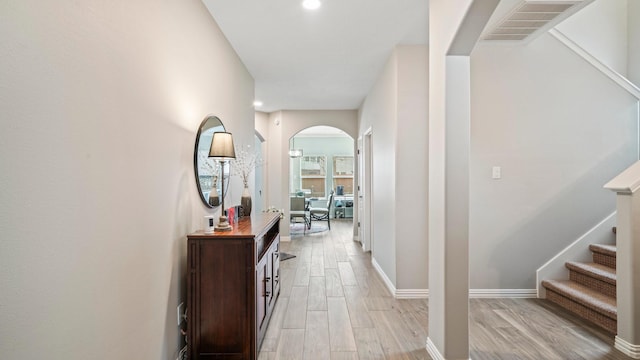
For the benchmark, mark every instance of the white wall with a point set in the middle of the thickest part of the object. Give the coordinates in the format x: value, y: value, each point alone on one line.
x: 262, y: 128
x: 100, y: 106
x: 379, y: 112
x: 560, y: 130
x: 601, y: 29
x: 412, y: 164
x: 448, y: 338
x: 397, y: 112
x: 633, y: 37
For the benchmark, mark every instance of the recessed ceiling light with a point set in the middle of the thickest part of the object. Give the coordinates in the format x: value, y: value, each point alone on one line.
x: 311, y: 4
x: 257, y: 103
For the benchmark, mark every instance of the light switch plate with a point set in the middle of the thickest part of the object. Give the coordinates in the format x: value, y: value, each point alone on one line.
x: 496, y: 172
x: 180, y: 313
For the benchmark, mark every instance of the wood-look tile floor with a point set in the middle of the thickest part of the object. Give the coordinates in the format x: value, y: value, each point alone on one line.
x: 333, y: 305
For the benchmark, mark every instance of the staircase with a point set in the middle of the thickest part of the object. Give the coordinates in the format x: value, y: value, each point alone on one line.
x: 590, y: 291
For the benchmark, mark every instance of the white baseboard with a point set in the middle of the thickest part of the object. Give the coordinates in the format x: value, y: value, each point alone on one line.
x: 399, y: 293
x: 433, y: 350
x: 385, y: 278
x: 631, y: 350
x: 473, y: 293
x: 285, y: 238
x: 412, y: 294
x: 502, y: 293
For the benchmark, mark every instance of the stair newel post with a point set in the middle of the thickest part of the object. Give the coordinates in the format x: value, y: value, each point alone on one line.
x: 627, y: 186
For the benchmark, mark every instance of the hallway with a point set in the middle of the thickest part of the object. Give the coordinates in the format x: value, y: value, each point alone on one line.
x: 333, y: 305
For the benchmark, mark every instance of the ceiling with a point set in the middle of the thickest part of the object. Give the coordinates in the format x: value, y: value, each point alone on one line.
x: 317, y: 60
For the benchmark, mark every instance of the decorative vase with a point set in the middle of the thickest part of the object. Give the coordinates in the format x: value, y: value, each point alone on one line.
x: 214, y: 198
x: 245, y: 201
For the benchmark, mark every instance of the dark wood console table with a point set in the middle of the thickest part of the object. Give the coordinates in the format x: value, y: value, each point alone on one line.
x: 232, y: 287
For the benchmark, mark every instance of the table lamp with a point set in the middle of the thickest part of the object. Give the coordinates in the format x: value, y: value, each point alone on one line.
x: 222, y: 150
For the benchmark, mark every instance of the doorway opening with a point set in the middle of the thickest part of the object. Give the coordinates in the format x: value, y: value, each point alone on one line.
x: 321, y: 179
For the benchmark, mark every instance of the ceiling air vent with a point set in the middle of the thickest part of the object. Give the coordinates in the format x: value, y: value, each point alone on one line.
x: 530, y: 18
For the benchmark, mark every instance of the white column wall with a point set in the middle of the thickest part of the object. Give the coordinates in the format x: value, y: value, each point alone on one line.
x: 446, y: 337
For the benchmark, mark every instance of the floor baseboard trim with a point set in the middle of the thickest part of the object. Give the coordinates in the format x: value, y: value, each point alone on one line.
x: 631, y: 350
x: 385, y: 278
x: 433, y: 350
x: 285, y: 238
x: 412, y: 293
x: 503, y: 293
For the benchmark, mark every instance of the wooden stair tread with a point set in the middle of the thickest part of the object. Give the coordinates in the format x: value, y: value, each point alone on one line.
x: 596, y: 271
x: 609, y: 250
x: 592, y: 299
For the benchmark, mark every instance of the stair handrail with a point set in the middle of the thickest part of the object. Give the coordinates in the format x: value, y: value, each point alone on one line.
x: 627, y: 182
x: 615, y: 76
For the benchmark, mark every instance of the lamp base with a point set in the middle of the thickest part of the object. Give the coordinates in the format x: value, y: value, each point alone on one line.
x: 223, y: 224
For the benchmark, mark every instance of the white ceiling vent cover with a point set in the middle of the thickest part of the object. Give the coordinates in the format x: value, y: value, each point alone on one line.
x: 530, y: 18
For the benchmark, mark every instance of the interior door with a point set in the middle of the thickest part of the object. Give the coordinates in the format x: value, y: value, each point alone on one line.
x: 258, y: 203
x: 365, y: 195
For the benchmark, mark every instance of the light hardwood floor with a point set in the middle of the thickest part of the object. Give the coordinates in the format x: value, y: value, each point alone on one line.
x: 333, y: 305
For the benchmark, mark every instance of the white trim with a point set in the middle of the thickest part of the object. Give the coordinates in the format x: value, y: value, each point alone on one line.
x: 385, y: 278
x: 356, y: 238
x: 627, y: 182
x: 433, y: 350
x: 399, y: 293
x: 412, y: 294
x: 631, y: 350
x: 502, y: 293
x: 576, y: 251
x: 606, y: 70
x: 285, y: 238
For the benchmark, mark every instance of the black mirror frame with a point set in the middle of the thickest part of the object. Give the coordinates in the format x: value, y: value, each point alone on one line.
x: 202, y: 128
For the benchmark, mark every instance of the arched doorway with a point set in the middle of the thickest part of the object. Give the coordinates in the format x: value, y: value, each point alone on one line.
x: 322, y: 171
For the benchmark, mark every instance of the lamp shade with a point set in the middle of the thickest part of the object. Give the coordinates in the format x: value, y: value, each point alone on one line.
x: 222, y: 146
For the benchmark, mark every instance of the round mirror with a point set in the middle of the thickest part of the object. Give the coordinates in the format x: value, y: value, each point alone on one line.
x: 207, y: 170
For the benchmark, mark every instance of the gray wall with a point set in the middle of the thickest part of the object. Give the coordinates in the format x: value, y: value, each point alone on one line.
x: 101, y: 101
x: 378, y: 112
x: 412, y: 168
x: 633, y: 26
x: 560, y: 130
x: 396, y: 110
